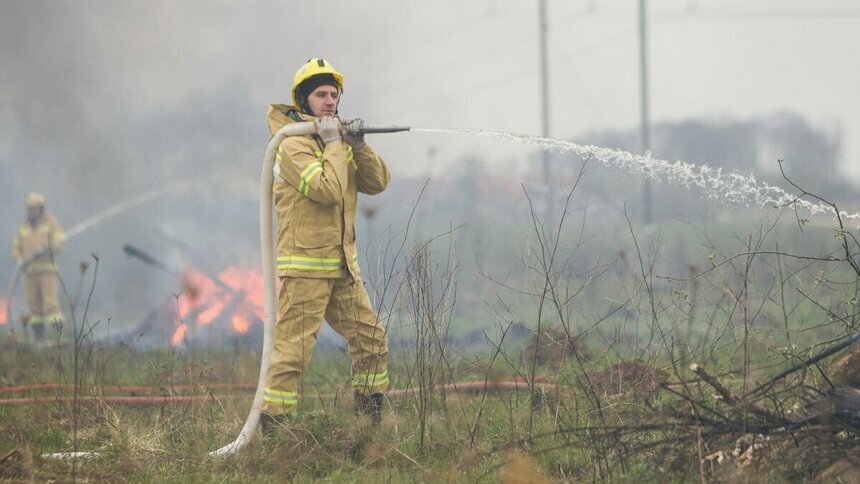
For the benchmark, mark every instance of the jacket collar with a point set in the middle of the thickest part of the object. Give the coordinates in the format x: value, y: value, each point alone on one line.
x: 280, y: 115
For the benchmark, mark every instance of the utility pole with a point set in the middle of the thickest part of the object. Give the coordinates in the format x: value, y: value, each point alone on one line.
x: 645, y: 136
x: 544, y: 92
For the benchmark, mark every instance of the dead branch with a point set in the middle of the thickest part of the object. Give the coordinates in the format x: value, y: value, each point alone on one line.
x: 731, y: 399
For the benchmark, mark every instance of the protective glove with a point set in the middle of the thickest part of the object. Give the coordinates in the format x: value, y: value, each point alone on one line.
x: 328, y: 129
x: 352, y: 134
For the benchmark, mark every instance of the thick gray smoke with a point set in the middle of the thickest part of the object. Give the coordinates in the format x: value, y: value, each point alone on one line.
x: 83, y: 123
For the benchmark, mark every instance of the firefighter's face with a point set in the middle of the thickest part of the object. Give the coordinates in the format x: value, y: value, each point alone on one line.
x: 33, y: 213
x: 323, y: 101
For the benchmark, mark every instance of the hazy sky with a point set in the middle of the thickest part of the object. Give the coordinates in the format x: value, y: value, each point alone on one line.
x: 431, y: 64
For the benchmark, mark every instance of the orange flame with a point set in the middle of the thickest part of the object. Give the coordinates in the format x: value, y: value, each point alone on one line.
x: 207, y: 315
x: 203, y: 299
x: 249, y: 283
x: 241, y: 324
x: 3, y: 310
x: 198, y: 291
x: 179, y: 335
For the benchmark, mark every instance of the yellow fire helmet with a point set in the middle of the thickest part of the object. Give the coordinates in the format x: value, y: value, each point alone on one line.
x: 34, y: 199
x: 312, y: 68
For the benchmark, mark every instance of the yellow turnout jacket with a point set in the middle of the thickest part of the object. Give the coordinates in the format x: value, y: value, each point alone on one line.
x: 316, y: 193
x: 31, y: 241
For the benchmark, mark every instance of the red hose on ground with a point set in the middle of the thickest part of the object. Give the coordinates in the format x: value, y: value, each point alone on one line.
x: 134, y: 401
x: 472, y: 387
x: 464, y: 387
x: 53, y: 387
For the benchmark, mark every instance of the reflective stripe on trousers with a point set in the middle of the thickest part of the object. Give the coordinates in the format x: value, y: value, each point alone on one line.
x: 310, y: 263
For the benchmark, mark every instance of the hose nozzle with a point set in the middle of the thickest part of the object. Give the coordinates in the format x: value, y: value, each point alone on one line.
x: 358, y: 127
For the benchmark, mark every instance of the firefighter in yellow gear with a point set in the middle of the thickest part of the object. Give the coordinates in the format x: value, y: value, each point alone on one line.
x: 40, y: 238
x: 317, y: 179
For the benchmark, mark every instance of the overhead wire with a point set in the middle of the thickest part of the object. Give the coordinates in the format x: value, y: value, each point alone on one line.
x: 515, y: 72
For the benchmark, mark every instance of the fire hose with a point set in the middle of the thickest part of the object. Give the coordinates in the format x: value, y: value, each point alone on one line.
x: 132, y: 390
x: 143, y: 396
x: 358, y: 128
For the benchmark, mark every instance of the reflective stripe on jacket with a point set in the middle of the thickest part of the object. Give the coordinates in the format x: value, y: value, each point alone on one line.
x: 32, y: 240
x: 316, y: 193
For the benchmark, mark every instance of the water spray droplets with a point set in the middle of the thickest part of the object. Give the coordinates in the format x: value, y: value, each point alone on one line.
x: 721, y: 187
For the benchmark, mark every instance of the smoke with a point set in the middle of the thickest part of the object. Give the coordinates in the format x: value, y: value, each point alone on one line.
x: 50, y: 97
x: 86, y: 115
x: 104, y: 103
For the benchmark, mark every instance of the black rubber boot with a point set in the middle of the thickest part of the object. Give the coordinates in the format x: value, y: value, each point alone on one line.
x: 369, y: 405
x: 269, y: 424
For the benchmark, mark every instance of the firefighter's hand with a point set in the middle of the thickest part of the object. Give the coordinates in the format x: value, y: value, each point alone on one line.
x: 328, y: 129
x: 352, y: 135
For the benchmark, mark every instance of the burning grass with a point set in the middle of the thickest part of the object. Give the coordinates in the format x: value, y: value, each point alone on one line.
x: 4, y: 308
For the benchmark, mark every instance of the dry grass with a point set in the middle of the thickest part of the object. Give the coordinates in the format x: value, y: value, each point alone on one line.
x: 614, y: 400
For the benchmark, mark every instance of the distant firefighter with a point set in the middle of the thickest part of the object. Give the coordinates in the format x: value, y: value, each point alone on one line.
x: 40, y: 238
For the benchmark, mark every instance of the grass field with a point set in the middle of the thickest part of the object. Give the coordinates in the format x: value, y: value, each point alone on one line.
x: 586, y: 420
x: 467, y: 436
x: 642, y: 367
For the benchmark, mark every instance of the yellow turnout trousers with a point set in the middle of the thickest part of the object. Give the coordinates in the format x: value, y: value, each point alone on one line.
x: 40, y: 293
x: 304, y: 303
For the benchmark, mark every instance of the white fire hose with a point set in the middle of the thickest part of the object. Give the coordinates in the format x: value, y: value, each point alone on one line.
x: 268, y: 255
x: 266, y: 247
